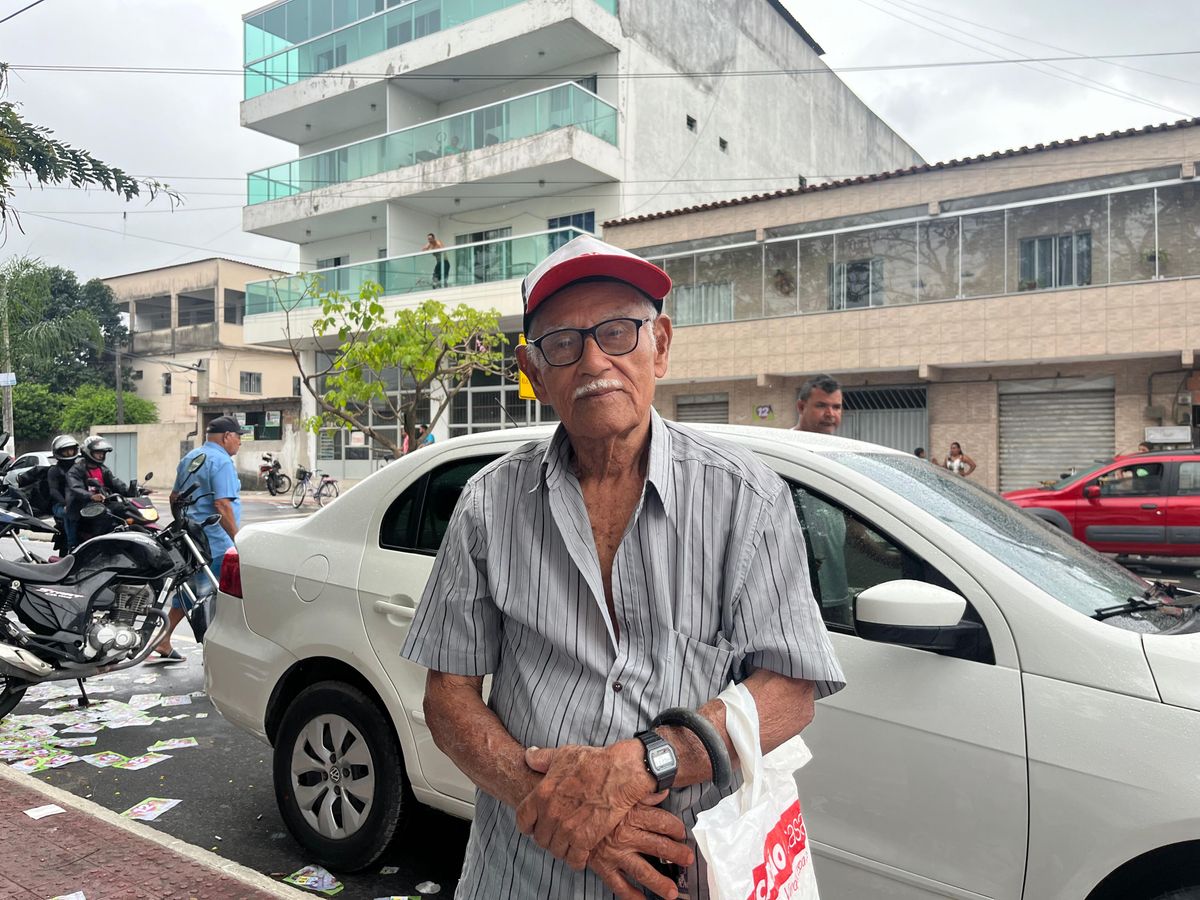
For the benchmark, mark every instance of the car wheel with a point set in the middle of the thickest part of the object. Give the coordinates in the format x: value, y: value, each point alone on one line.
x: 339, y: 776
x: 1185, y: 893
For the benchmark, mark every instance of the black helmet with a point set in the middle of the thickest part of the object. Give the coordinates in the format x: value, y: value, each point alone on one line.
x: 64, y: 447
x: 96, y: 449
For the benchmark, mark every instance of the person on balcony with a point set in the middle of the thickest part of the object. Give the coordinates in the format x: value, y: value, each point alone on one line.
x: 441, y: 265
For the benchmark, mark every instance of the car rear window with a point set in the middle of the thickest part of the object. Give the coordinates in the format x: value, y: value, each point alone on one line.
x: 417, y: 519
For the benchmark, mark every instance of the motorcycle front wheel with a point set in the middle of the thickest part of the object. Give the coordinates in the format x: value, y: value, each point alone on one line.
x: 11, y: 692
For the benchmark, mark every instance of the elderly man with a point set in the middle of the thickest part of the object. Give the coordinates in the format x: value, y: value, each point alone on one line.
x: 622, y: 567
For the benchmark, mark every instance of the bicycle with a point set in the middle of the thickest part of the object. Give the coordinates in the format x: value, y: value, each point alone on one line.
x: 324, y: 489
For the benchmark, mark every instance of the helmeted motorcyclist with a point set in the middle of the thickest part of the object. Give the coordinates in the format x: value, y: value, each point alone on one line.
x: 90, y: 467
x: 65, y: 449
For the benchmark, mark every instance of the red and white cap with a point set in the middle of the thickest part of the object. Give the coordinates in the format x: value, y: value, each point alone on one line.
x: 589, y: 257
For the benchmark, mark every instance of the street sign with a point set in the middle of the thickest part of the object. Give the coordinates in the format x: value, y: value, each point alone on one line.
x: 524, y: 388
x: 8, y: 379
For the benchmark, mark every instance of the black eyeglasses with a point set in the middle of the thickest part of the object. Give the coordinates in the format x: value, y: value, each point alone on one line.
x: 616, y: 337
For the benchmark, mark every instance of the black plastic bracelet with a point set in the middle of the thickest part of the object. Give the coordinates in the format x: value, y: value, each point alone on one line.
x: 706, y: 733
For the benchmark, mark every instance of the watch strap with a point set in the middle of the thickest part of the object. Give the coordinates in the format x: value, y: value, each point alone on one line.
x: 706, y: 733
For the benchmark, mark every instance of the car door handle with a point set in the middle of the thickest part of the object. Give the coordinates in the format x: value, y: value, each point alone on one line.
x: 1149, y: 506
x: 388, y: 608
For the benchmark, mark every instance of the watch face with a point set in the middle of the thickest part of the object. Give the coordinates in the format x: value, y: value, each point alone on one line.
x: 662, y: 759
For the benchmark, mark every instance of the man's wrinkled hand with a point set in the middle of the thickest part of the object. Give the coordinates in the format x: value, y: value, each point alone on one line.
x: 620, y: 859
x: 585, y: 794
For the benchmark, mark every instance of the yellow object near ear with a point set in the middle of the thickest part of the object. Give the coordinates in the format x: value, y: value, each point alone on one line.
x: 524, y: 387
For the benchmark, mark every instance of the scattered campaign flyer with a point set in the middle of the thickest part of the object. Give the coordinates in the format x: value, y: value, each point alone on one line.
x: 174, y: 744
x: 72, y: 742
x: 315, y: 879
x: 104, y: 760
x: 60, y: 759
x: 76, y: 895
x: 40, y: 812
x: 150, y: 808
x: 141, y: 762
x: 28, y: 766
x: 145, y: 701
x: 181, y: 700
x: 84, y: 728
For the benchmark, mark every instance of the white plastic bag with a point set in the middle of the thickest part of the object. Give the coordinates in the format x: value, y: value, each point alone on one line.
x: 754, y: 840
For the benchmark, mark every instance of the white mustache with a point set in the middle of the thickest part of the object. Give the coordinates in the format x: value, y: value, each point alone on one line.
x: 595, y: 387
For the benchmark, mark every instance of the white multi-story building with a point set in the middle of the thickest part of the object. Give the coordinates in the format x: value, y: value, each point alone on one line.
x: 503, y: 127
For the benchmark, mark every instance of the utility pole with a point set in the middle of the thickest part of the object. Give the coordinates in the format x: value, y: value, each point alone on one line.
x: 119, y: 390
x: 6, y: 363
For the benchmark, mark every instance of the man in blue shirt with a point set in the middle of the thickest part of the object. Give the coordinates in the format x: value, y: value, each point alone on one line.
x: 218, y: 491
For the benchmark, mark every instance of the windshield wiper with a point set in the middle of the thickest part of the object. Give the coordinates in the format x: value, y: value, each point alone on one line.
x: 1150, y: 599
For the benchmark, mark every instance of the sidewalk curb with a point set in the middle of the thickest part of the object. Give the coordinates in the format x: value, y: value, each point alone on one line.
x: 199, y: 855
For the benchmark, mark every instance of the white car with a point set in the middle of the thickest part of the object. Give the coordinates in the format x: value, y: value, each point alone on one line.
x: 25, y: 462
x: 998, y: 737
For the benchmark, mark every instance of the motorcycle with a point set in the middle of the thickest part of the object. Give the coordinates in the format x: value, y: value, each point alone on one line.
x: 271, y: 470
x: 134, y: 511
x: 101, y: 609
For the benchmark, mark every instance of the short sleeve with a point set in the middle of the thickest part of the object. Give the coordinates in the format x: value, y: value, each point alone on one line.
x: 457, y: 626
x: 777, y: 623
x: 226, y: 485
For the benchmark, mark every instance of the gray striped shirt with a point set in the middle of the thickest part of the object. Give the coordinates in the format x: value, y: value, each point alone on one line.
x: 710, y: 582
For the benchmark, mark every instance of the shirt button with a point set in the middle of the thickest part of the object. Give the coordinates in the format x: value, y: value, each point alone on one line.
x: 617, y: 687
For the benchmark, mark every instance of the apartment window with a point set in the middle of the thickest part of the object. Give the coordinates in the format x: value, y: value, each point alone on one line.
x: 166, y: 382
x: 250, y: 383
x: 588, y: 83
x: 137, y: 374
x: 1059, y: 260
x: 235, y: 307
x: 337, y: 280
x: 856, y: 284
x: 295, y: 385
x: 702, y: 304
x: 490, y: 261
x: 723, y: 144
x: 584, y: 221
x: 691, y: 123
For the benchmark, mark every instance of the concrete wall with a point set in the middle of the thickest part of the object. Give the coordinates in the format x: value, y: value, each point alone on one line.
x: 158, y: 451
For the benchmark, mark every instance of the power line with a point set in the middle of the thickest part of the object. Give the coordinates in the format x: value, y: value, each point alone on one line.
x: 616, y: 76
x: 1064, y: 75
x: 19, y: 11
x: 1075, y: 54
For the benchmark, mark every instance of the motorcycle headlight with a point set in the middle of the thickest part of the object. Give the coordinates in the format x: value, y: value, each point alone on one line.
x: 150, y: 515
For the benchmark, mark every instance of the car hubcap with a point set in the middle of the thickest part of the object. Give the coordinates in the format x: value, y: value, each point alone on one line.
x: 333, y: 776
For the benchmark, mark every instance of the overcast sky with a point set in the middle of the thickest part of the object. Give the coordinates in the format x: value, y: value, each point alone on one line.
x: 183, y: 129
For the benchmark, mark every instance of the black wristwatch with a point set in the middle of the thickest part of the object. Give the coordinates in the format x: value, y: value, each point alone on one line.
x: 660, y: 760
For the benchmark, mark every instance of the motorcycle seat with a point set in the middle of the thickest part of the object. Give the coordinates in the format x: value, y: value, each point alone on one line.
x: 37, y: 573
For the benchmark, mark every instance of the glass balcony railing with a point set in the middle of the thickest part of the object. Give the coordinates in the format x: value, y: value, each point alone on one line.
x: 556, y: 107
x: 455, y: 266
x: 302, y: 38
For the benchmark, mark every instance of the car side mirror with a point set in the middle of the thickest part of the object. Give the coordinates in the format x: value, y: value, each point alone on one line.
x: 914, y: 614
x: 147, y: 477
x: 211, y: 520
x: 197, y: 461
x: 1091, y: 492
x: 92, y: 510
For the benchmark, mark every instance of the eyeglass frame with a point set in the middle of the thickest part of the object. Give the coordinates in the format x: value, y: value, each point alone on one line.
x: 585, y: 333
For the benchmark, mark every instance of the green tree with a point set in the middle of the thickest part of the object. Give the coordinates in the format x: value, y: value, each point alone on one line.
x: 29, y: 151
x: 434, y: 350
x: 80, y: 362
x: 35, y: 332
x: 37, y: 412
x: 95, y: 405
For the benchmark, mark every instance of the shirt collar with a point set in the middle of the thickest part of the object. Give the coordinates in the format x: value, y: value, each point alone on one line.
x: 556, y: 461
x: 214, y: 445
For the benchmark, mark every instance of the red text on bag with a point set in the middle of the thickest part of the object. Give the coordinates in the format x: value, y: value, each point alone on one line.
x: 778, y: 874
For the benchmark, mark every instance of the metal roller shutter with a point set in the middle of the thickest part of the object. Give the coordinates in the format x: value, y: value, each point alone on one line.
x: 1044, y: 434
x: 703, y: 408
x: 895, y: 417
